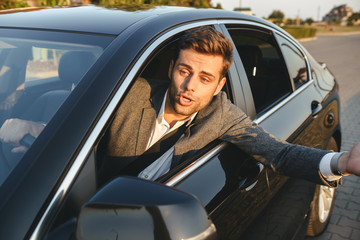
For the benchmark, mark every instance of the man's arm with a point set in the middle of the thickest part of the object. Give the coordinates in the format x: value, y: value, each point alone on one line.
x: 13, y: 130
x: 285, y: 158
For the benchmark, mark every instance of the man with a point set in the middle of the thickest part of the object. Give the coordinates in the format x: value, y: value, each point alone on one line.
x: 194, y: 99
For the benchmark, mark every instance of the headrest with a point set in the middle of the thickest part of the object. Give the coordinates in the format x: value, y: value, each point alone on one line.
x: 74, y: 65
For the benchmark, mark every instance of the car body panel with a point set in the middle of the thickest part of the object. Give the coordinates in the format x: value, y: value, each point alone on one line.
x: 133, y: 37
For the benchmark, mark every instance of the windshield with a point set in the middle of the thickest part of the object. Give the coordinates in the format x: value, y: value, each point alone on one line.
x: 38, y: 71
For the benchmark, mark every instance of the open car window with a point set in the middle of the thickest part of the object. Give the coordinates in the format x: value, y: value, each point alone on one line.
x: 153, y: 75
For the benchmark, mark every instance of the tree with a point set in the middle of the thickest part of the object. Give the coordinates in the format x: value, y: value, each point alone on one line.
x: 277, y: 16
x: 290, y: 21
x: 309, y: 21
x: 354, y: 17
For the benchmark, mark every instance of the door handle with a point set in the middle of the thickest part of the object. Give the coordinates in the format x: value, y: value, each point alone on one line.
x: 316, y: 107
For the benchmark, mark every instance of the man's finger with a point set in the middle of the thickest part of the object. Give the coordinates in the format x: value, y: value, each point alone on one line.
x: 20, y: 149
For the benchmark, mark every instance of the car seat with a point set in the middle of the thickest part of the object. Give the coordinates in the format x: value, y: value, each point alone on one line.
x: 72, y: 67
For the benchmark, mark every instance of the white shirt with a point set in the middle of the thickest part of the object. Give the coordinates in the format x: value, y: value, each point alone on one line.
x: 163, y: 163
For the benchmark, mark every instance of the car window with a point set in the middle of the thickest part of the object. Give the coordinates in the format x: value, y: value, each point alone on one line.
x: 296, y: 64
x: 152, y: 75
x: 38, y: 71
x: 265, y: 68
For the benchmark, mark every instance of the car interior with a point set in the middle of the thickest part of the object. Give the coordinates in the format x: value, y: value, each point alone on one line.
x: 36, y: 78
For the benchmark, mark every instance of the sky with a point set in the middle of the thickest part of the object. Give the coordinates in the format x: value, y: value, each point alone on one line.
x: 315, y: 9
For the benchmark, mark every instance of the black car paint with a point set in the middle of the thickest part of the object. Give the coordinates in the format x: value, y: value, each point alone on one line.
x: 80, y: 113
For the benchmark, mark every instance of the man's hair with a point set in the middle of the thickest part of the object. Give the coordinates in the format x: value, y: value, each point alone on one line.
x: 207, y: 40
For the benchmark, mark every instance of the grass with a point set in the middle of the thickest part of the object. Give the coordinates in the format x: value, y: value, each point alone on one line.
x: 337, y: 29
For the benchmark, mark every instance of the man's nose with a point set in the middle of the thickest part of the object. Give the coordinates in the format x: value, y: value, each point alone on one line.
x: 190, y: 83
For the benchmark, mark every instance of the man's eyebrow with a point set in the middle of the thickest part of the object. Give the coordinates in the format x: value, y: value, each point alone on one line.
x: 185, y: 65
x: 208, y: 74
x: 203, y: 72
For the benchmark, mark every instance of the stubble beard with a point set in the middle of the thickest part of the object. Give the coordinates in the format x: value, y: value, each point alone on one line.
x: 185, y: 111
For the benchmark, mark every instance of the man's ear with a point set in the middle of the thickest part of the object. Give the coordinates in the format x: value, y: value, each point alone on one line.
x: 170, y: 68
x: 220, y: 85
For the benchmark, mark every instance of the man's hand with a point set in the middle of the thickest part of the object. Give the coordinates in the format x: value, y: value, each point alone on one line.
x: 13, y: 130
x: 349, y: 162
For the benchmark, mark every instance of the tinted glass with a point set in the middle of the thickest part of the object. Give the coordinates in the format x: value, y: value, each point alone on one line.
x: 38, y: 71
x: 296, y: 64
x: 264, y: 66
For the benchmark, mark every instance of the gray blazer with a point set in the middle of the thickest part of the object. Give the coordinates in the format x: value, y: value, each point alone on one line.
x: 128, y: 135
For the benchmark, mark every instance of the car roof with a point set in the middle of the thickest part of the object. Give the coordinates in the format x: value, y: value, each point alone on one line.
x: 102, y: 20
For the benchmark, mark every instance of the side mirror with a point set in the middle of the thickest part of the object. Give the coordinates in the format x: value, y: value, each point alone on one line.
x: 132, y: 208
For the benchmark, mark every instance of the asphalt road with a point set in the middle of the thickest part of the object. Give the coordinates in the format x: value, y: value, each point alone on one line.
x: 341, y: 53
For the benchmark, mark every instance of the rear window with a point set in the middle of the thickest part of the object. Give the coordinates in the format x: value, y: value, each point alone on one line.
x: 264, y: 66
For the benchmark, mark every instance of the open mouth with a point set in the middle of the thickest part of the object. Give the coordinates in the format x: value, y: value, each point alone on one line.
x: 185, y: 100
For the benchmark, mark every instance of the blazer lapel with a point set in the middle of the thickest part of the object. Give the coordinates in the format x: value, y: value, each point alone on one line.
x: 147, y: 122
x: 145, y: 128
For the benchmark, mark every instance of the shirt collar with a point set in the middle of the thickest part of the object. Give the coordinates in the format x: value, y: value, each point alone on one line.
x: 162, y: 120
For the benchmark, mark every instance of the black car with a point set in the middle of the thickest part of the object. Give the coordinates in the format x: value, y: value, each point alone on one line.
x: 69, y: 69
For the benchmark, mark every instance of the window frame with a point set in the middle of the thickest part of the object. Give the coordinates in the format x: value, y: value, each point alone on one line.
x: 268, y: 32
x: 283, y: 41
x: 242, y: 75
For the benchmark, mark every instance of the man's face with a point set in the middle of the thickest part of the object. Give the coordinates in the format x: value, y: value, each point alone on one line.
x: 195, y: 79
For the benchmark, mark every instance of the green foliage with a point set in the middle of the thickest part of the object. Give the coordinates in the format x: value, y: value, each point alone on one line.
x: 127, y: 4
x: 277, y: 14
x: 309, y: 21
x: 290, y: 21
x: 349, y: 23
x: 354, y: 17
x: 334, y: 21
x: 135, y: 5
x: 8, y: 4
x: 188, y: 3
x: 301, y: 32
x: 54, y: 2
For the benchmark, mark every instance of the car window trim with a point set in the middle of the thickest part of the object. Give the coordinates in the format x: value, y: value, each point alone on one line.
x: 75, y: 168
x: 184, y: 173
x: 275, y: 108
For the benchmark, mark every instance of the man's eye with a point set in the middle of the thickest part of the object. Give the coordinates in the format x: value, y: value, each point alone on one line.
x: 205, y: 80
x: 184, y: 73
